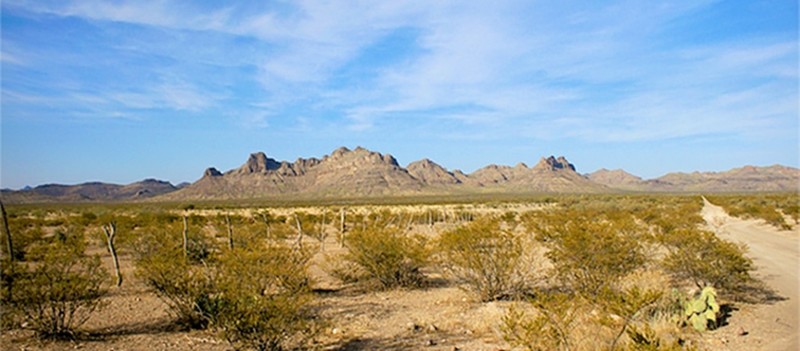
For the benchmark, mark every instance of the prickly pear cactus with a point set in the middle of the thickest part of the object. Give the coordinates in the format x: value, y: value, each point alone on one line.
x: 702, y: 311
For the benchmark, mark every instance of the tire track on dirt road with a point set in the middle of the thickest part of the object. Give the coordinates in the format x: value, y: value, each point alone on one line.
x: 775, y: 254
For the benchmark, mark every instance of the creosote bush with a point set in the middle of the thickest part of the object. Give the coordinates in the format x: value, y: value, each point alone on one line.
x: 387, y: 255
x: 700, y: 257
x: 263, y: 297
x: 623, y: 318
x: 769, y: 207
x: 589, y: 250
x: 485, y: 259
x: 550, y: 328
x: 183, y: 283
x: 60, y: 289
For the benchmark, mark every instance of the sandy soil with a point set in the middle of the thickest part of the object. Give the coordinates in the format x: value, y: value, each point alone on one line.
x: 440, y: 317
x: 772, y: 325
x: 437, y: 318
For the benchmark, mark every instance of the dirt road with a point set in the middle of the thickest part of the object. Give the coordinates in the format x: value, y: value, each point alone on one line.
x: 772, y: 326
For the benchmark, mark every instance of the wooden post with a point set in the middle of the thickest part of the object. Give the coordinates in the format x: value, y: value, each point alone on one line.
x: 267, y: 219
x: 7, y: 233
x: 111, y: 233
x: 185, y: 236
x: 10, y: 247
x: 341, y: 226
x: 322, y: 236
x: 230, y: 231
x: 299, y: 231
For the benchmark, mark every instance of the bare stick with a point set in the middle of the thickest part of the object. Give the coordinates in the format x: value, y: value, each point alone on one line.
x: 322, y: 235
x: 185, y: 236
x: 342, y: 226
x: 299, y: 231
x: 230, y: 231
x: 267, y: 219
x: 111, y: 233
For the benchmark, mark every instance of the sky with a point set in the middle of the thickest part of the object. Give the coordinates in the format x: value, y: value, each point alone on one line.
x: 120, y: 91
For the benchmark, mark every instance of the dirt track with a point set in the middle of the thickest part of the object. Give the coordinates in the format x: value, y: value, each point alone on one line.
x: 771, y: 326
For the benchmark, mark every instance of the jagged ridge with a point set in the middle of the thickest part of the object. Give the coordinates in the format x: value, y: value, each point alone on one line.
x: 361, y: 172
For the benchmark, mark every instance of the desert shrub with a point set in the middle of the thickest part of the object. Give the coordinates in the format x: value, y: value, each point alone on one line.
x: 770, y: 208
x: 562, y: 320
x: 624, y: 310
x: 263, y: 297
x: 25, y: 231
x: 485, y: 258
x: 387, y: 255
x: 672, y: 214
x: 551, y: 326
x: 701, y: 258
x: 589, y: 250
x: 60, y: 290
x: 185, y: 287
x: 183, y: 283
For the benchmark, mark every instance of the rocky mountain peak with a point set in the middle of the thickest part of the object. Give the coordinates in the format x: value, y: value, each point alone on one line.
x: 365, y: 156
x: 338, y: 153
x: 258, y: 163
x: 212, y: 172
x: 423, y: 163
x: 553, y: 164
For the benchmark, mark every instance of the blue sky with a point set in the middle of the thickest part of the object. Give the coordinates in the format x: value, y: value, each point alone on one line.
x: 119, y: 91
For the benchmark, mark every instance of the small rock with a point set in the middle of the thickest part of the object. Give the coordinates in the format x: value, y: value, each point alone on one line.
x: 455, y: 348
x: 743, y: 332
x: 335, y: 331
x: 431, y: 342
x: 433, y: 328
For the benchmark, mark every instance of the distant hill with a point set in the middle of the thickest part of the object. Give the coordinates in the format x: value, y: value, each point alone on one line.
x: 745, y: 179
x: 88, y: 192
x: 617, y: 178
x: 364, y: 173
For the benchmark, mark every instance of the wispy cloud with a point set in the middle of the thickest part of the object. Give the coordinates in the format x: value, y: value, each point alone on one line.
x: 599, y: 71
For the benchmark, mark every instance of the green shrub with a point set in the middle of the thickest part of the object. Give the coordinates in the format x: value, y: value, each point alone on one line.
x: 263, y: 297
x: 550, y: 328
x: 179, y: 280
x: 770, y: 208
x: 485, y: 258
x: 622, y: 319
x: 59, y: 292
x: 700, y: 257
x: 387, y: 255
x: 590, y: 251
x: 25, y: 232
x: 186, y: 288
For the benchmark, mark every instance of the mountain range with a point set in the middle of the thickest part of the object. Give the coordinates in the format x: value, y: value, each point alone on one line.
x: 364, y: 173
